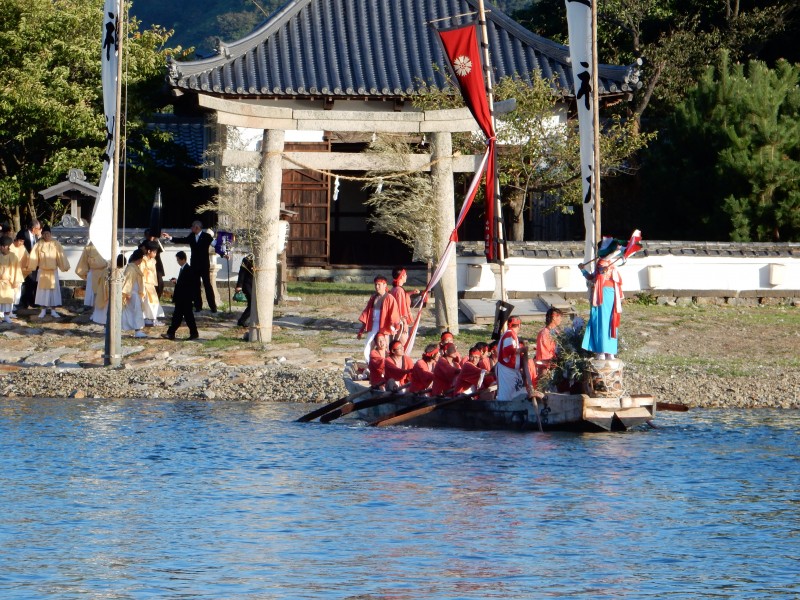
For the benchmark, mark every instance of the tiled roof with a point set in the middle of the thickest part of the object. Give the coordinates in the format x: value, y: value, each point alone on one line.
x: 574, y: 250
x: 189, y: 133
x: 371, y: 49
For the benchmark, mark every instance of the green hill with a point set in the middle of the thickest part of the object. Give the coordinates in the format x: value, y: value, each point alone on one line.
x: 198, y: 23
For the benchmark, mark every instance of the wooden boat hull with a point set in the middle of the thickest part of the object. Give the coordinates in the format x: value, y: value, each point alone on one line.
x: 577, y: 412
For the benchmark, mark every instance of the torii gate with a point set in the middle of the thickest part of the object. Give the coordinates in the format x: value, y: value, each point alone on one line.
x: 276, y: 120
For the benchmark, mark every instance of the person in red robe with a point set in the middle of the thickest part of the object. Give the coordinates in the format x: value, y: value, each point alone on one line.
x: 422, y: 374
x: 485, y: 362
x: 399, y: 277
x: 472, y: 376
x: 445, y: 339
x: 445, y: 371
x: 381, y: 316
x: 377, y: 362
x: 546, y: 347
x: 509, y: 378
x: 491, y: 352
x: 397, y: 366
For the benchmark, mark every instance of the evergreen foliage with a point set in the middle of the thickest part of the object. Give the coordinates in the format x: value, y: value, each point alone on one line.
x: 51, y: 111
x: 676, y: 39
x: 731, y: 164
x: 758, y: 113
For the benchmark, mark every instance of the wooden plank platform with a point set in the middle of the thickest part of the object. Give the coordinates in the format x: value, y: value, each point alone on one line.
x: 481, y: 311
x: 557, y: 301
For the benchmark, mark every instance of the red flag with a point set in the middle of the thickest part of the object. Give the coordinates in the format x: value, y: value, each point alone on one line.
x: 461, y: 47
x: 462, y: 51
x: 633, y: 245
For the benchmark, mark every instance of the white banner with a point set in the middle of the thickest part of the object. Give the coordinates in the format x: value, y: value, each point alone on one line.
x: 579, y: 21
x: 101, y: 229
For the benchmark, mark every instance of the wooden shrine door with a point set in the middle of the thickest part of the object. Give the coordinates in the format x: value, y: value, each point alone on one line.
x: 307, y: 193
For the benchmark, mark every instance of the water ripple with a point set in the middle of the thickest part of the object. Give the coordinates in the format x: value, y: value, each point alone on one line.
x: 147, y: 498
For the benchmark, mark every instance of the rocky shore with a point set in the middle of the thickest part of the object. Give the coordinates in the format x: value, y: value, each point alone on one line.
x: 771, y: 387
x: 63, y: 358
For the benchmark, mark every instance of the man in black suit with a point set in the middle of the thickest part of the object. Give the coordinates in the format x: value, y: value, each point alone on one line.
x: 199, y: 242
x: 183, y: 297
x: 30, y: 236
x: 244, y: 283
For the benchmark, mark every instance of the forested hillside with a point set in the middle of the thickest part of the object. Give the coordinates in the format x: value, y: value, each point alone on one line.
x: 199, y: 22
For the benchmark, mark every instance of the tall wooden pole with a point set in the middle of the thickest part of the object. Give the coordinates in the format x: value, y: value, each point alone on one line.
x: 113, y: 339
x: 596, y: 128
x: 487, y: 68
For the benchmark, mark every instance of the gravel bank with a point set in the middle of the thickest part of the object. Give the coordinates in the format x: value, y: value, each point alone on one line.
x: 274, y: 384
x: 769, y: 388
x: 44, y: 358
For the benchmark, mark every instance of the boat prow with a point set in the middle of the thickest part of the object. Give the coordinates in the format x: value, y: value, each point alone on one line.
x: 596, y: 413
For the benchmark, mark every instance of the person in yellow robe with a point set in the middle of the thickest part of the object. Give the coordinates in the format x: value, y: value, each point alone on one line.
x: 92, y: 268
x: 100, y: 313
x: 10, y: 278
x: 48, y: 256
x: 19, y: 250
x: 133, y: 294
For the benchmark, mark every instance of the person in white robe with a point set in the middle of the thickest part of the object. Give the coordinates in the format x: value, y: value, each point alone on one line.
x: 133, y: 296
x: 10, y: 278
x: 48, y: 256
x: 19, y: 250
x: 91, y: 268
x: 151, y: 305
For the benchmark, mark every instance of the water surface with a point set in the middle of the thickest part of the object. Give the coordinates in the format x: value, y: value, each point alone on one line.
x: 164, y: 499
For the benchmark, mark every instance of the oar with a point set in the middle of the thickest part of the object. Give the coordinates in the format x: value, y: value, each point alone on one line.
x: 417, y: 411
x: 335, y: 404
x: 351, y: 406
x: 526, y: 371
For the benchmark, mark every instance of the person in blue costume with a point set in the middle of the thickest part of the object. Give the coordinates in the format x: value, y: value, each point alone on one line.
x: 606, y: 301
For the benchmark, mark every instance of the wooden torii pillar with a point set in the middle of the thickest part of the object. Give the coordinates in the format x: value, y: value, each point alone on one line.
x: 265, y: 246
x: 446, y: 292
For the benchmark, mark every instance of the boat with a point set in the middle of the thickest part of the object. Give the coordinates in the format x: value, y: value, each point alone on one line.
x: 604, y: 405
x: 557, y: 411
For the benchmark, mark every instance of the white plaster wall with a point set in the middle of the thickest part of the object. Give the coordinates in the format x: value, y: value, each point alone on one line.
x: 676, y: 273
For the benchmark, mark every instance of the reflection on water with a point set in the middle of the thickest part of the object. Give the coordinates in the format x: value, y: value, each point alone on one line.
x: 161, y: 499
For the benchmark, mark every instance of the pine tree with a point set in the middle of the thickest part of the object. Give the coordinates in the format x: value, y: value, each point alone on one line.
x: 762, y: 126
x: 729, y: 163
